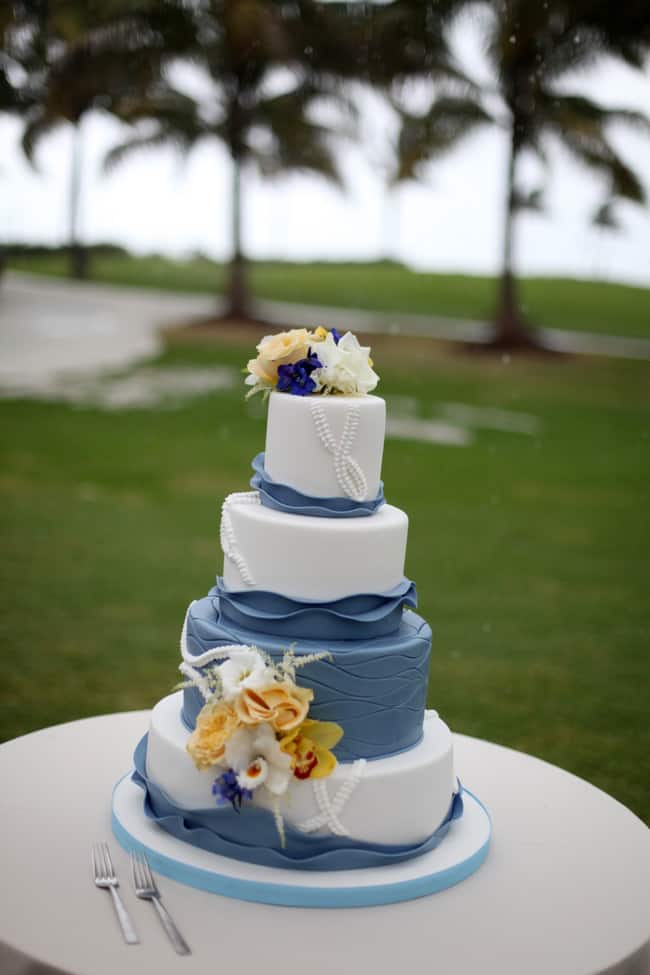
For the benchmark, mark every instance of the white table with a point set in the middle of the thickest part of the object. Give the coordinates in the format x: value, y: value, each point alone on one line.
x: 565, y: 889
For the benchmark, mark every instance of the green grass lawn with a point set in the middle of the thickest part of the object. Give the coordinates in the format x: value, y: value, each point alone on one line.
x: 531, y: 554
x: 593, y: 306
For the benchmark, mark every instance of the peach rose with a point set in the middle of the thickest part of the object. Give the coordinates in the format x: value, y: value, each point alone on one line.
x: 279, y: 350
x: 215, y: 724
x: 284, y: 706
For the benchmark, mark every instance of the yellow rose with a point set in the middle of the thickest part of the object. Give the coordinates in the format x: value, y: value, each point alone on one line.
x: 284, y: 706
x: 279, y: 350
x: 215, y: 724
x: 309, y: 748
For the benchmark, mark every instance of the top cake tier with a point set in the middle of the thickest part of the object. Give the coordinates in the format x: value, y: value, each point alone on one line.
x: 326, y: 446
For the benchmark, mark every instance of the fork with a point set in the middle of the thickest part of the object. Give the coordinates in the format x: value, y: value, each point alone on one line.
x: 145, y: 887
x: 106, y: 878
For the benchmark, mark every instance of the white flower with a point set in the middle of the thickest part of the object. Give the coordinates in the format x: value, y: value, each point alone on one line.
x: 250, y: 745
x: 346, y: 366
x: 254, y: 774
x: 244, y: 668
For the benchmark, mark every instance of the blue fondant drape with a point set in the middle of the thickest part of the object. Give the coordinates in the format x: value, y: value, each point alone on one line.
x: 362, y: 616
x: 282, y: 497
x: 251, y: 834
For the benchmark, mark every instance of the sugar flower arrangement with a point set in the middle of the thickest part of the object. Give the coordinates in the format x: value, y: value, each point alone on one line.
x: 255, y: 730
x: 302, y: 363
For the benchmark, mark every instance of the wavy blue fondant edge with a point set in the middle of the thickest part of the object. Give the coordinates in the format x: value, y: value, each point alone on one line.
x: 294, y: 895
x: 362, y: 615
x: 282, y: 497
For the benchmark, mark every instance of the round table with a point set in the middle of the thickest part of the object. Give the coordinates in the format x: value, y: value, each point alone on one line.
x: 565, y: 888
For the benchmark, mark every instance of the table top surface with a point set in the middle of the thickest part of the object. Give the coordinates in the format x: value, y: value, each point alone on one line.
x: 564, y: 888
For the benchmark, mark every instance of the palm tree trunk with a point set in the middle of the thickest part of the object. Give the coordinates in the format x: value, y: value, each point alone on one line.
x: 78, y: 254
x: 238, y: 296
x: 510, y: 326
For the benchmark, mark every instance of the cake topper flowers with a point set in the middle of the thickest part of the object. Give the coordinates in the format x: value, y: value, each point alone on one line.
x: 255, y: 731
x: 303, y: 363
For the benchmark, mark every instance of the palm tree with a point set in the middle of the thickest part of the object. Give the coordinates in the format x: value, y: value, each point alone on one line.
x: 240, y: 45
x: 531, y: 47
x: 16, y: 96
x: 77, y: 58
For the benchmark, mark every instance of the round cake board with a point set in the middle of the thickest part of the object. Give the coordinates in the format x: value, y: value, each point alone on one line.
x: 458, y: 856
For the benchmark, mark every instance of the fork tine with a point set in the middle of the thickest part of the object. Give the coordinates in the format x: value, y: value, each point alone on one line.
x: 134, y: 878
x: 95, y: 863
x: 102, y: 860
x: 148, y: 874
x: 137, y: 871
x: 109, y: 862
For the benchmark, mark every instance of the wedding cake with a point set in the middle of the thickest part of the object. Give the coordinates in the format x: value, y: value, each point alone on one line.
x: 298, y: 738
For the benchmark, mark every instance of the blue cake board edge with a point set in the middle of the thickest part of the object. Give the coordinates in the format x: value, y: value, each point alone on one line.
x: 285, y: 895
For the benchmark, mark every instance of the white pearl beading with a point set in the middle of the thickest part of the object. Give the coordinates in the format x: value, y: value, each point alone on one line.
x: 331, y: 809
x: 188, y: 666
x: 349, y: 475
x: 227, y: 533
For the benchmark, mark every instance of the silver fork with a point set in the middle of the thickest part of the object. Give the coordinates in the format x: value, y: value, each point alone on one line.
x: 145, y: 887
x: 106, y: 878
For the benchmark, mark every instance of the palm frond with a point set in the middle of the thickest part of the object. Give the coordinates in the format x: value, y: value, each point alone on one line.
x: 306, y: 149
x: 532, y: 200
x: 427, y: 137
x: 580, y: 112
x: 39, y: 123
x: 605, y: 217
x: 582, y: 126
x: 288, y: 138
x: 172, y: 117
x: 139, y: 143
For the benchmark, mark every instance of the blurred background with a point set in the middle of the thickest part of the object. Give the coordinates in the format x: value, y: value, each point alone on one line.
x: 464, y: 185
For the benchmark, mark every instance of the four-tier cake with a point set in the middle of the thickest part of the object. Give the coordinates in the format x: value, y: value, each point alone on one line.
x: 299, y: 738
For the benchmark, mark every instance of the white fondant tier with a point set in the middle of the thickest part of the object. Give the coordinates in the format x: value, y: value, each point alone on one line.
x: 317, y: 559
x: 326, y: 446
x: 396, y: 800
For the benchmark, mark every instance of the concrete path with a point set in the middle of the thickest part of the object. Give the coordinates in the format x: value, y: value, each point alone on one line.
x: 52, y: 329
x: 448, y: 329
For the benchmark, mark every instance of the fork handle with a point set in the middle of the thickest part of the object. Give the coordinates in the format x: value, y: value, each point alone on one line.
x: 126, y: 923
x: 180, y: 945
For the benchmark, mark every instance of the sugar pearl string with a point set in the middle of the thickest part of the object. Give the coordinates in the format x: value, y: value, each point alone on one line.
x: 189, y: 664
x: 227, y: 533
x: 330, y: 810
x: 348, y: 472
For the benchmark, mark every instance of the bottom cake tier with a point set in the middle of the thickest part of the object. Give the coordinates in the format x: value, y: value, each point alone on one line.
x: 367, y: 813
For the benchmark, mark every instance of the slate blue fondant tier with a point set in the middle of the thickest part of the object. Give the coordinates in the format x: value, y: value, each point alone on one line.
x: 282, y: 497
x: 251, y: 834
x: 375, y: 689
x: 364, y: 616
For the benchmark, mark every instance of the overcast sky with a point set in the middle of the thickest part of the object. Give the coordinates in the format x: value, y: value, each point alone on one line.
x: 451, y: 220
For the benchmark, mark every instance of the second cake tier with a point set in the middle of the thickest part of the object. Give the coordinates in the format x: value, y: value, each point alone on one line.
x: 375, y: 689
x: 307, y: 558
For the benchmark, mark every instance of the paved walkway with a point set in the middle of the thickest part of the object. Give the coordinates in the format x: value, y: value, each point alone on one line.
x: 52, y: 328
x: 448, y: 329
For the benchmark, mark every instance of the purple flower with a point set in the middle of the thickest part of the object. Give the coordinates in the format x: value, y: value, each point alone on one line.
x: 335, y: 335
x: 296, y: 378
x: 228, y: 789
